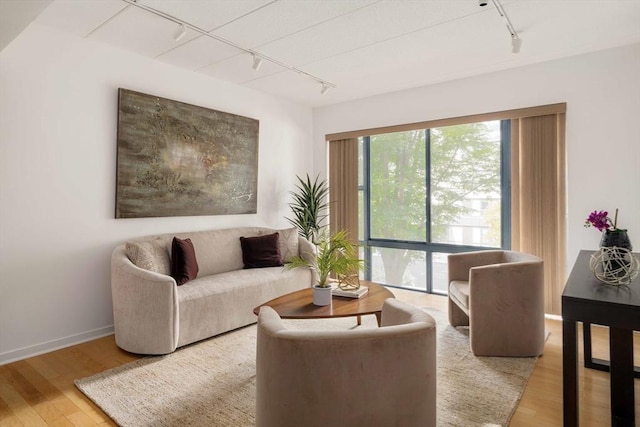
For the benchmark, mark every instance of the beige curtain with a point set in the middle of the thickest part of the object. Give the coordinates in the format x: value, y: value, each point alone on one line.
x: 538, y: 197
x: 343, y: 186
x: 537, y: 183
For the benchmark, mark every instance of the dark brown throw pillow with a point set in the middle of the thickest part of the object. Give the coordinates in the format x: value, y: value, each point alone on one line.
x: 184, y: 266
x: 261, y: 251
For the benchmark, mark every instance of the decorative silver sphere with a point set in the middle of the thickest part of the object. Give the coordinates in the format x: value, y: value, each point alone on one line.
x: 614, y: 265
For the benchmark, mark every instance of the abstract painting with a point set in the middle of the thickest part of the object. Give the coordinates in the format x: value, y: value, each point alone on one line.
x: 177, y: 159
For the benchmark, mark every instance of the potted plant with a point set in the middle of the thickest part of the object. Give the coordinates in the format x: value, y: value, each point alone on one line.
x: 309, y: 207
x: 335, y: 254
x: 615, y: 246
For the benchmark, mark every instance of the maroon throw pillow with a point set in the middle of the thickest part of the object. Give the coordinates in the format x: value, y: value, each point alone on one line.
x: 184, y: 266
x: 261, y: 251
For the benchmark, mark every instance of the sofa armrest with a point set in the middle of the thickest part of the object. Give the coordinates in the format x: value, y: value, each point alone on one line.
x: 268, y: 321
x: 396, y: 312
x: 459, y: 264
x: 505, y: 300
x: 500, y: 285
x: 145, y: 307
x: 307, y: 251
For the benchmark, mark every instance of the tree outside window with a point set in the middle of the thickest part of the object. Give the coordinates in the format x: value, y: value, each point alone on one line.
x: 448, y: 174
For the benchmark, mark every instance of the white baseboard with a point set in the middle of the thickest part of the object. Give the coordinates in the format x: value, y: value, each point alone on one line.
x: 49, y: 346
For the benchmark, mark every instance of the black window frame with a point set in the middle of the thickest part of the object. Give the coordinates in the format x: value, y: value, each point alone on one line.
x: 367, y: 242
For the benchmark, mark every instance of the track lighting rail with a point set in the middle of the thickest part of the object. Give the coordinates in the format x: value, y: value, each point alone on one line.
x: 257, y: 57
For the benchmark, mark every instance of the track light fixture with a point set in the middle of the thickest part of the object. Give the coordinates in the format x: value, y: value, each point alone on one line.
x: 180, y: 33
x: 257, y: 62
x: 482, y: 3
x: 516, y: 42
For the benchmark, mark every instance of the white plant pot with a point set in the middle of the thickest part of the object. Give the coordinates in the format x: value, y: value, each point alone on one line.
x: 321, y: 296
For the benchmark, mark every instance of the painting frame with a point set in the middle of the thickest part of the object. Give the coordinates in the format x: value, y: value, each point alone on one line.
x: 179, y: 159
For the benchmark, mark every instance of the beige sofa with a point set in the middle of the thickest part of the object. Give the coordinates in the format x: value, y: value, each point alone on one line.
x: 152, y: 315
x: 365, y: 377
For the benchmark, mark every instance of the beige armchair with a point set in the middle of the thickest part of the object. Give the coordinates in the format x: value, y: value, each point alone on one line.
x: 500, y: 295
x: 363, y: 377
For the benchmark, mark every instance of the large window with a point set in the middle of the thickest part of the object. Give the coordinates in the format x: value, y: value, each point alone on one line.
x: 426, y: 193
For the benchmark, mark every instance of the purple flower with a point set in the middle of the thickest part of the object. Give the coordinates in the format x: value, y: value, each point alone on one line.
x: 600, y: 220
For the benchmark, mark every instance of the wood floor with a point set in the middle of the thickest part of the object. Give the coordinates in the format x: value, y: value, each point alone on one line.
x: 39, y: 391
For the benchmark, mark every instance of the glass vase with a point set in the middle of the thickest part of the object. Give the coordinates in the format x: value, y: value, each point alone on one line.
x: 616, y: 261
x: 619, y: 238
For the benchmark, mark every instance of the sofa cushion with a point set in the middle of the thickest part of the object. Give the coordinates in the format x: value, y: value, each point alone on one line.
x: 261, y: 251
x: 219, y: 250
x: 288, y: 242
x: 151, y: 255
x: 210, y: 305
x: 184, y: 265
x: 460, y: 290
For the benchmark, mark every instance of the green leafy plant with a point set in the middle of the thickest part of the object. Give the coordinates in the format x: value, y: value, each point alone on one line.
x: 309, y: 207
x: 334, y: 254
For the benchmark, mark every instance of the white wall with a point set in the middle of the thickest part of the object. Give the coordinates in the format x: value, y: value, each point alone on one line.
x: 602, y: 92
x: 58, y: 111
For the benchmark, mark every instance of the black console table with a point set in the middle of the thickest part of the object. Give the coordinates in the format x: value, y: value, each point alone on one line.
x: 590, y: 361
x: 586, y: 299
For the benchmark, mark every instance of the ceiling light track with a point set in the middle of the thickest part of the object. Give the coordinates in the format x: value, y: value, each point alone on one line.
x: 180, y: 33
x: 256, y: 56
x: 257, y: 62
x: 516, y: 42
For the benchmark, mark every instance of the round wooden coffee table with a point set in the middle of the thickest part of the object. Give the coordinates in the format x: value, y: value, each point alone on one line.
x: 299, y: 305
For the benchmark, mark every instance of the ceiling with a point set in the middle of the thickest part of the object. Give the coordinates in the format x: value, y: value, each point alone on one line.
x: 363, y: 47
x: 15, y: 15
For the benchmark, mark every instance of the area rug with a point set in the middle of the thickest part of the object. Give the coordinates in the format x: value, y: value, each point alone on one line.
x: 212, y: 383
